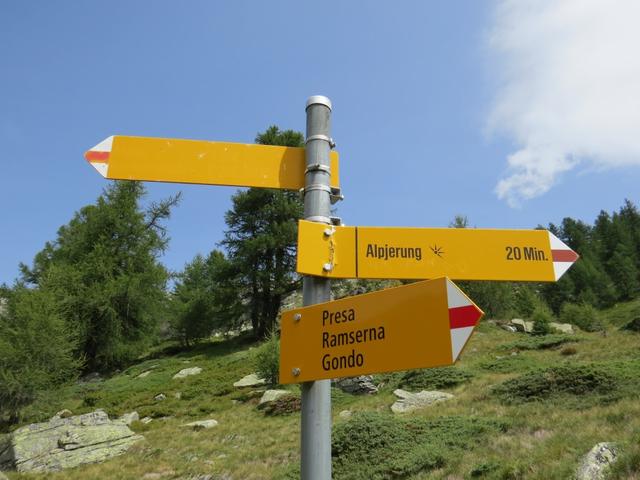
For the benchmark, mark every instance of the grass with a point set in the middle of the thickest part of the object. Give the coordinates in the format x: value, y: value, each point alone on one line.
x: 489, y: 430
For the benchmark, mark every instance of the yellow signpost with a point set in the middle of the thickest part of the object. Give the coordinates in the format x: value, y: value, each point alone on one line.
x: 419, y: 253
x: 203, y: 162
x: 424, y: 324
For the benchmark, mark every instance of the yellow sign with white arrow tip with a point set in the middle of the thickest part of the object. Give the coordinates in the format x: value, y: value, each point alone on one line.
x: 424, y: 324
x: 203, y: 162
x: 421, y: 253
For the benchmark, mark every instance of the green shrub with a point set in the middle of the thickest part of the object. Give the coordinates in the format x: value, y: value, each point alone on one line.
x: 283, y: 406
x: 268, y: 359
x: 506, y: 364
x: 541, y: 318
x: 633, y: 325
x: 584, y: 317
x: 538, y: 343
x: 578, y: 380
x: 379, y: 445
x: 434, y: 378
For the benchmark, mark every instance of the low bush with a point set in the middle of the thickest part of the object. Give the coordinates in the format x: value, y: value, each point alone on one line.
x: 538, y: 343
x: 633, y: 325
x: 379, y: 445
x: 268, y: 359
x: 585, y: 317
x: 282, y: 406
x: 507, y: 364
x: 544, y: 384
x: 434, y: 378
x: 541, y: 318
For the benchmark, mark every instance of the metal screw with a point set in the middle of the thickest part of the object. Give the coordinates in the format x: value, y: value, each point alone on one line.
x: 295, y: 371
x: 327, y: 267
x: 328, y: 232
x: 297, y: 317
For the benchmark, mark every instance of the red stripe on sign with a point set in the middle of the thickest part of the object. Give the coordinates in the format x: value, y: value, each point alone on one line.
x: 93, y: 156
x: 466, y: 316
x: 564, y: 255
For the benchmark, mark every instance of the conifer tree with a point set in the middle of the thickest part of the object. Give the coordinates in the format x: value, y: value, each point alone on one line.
x: 261, y: 242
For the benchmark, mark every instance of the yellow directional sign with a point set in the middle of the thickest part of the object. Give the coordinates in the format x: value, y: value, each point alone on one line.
x: 418, y: 253
x: 424, y: 324
x: 203, y: 162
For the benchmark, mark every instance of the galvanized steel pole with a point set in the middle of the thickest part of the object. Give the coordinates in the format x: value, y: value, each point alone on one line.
x: 315, y: 462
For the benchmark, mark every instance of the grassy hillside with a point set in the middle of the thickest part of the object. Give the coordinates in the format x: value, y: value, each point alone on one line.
x: 524, y: 407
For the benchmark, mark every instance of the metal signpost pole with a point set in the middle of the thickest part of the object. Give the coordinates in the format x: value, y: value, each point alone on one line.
x: 315, y: 462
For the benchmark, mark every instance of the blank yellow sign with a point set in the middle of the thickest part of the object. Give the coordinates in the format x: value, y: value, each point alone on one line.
x: 203, y: 162
x: 419, y: 253
x: 424, y: 324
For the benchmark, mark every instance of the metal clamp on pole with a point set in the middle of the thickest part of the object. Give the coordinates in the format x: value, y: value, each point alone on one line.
x: 320, y: 219
x: 317, y: 186
x: 336, y: 195
x: 318, y: 167
x: 332, y: 144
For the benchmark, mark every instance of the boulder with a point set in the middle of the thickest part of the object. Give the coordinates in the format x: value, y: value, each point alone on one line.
x: 250, y: 381
x: 357, y: 385
x: 272, y: 396
x: 201, y: 424
x: 186, y: 372
x: 407, y: 401
x: 65, y: 413
x: 522, y: 326
x: 595, y: 464
x: 561, y: 327
x: 65, y: 442
x: 160, y: 397
x: 509, y: 328
x: 129, y: 418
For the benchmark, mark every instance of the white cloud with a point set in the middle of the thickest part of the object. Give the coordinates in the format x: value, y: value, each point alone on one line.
x: 569, y: 88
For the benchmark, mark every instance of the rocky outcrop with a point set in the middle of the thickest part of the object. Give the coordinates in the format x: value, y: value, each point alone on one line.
x: 407, y: 401
x: 357, y: 385
x: 522, y: 326
x: 250, y: 381
x: 201, y: 424
x: 272, y: 396
x: 565, y: 328
x: 65, y: 442
x: 595, y: 464
x: 187, y: 372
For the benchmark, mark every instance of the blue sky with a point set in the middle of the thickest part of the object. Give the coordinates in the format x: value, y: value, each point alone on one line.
x: 499, y: 111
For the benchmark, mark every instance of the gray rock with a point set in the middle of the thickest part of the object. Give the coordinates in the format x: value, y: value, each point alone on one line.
x: 595, y: 464
x: 144, y: 374
x: 407, y: 401
x: 146, y: 420
x: 522, y: 326
x: 357, y: 385
x: 160, y: 397
x: 561, y: 327
x: 250, y: 381
x: 177, y: 395
x: 345, y: 414
x: 201, y: 424
x: 186, y: 372
x: 129, y: 418
x: 509, y: 328
x: 65, y: 413
x: 272, y: 396
x: 65, y: 442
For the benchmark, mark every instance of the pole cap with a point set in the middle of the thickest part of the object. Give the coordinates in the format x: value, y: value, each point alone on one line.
x: 318, y: 99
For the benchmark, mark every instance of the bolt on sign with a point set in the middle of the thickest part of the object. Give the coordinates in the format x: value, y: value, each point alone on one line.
x: 203, y: 162
x: 420, y: 253
x: 420, y: 325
